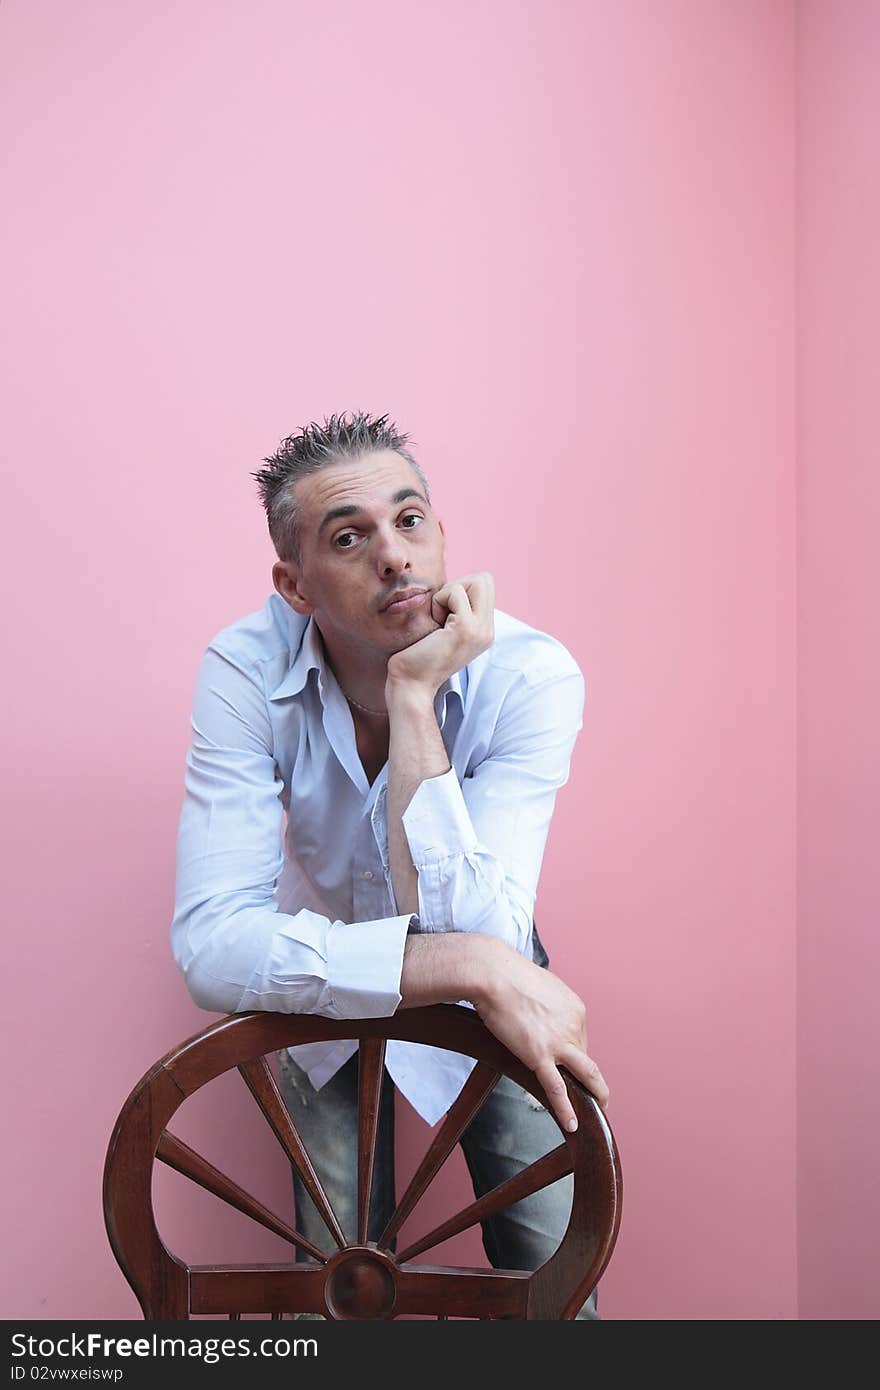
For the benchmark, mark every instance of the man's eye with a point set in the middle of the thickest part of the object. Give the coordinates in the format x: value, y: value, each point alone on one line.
x: 411, y: 516
x: 343, y: 537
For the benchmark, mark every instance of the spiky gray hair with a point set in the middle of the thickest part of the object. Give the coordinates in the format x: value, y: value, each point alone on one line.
x: 313, y: 448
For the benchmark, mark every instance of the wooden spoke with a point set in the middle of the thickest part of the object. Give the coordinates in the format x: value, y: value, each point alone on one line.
x: 185, y: 1160
x: 371, y: 1062
x: 541, y: 1173
x: 474, y: 1092
x: 458, y: 1293
x: 262, y: 1288
x: 262, y: 1085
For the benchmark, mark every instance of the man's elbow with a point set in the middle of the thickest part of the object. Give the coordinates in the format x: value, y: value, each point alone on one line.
x: 207, y: 992
x: 194, y: 959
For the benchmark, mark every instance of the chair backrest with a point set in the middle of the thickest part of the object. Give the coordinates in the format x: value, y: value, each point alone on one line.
x: 360, y: 1279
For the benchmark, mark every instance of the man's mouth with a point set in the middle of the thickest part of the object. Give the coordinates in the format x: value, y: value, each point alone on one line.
x: 406, y: 599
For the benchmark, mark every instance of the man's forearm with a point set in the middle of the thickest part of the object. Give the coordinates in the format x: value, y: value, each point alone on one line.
x: 443, y: 969
x: 415, y: 752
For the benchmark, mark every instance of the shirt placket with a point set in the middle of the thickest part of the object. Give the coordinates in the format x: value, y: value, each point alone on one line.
x: 370, y: 879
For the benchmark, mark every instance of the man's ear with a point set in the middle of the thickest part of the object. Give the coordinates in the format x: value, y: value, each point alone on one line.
x: 287, y: 578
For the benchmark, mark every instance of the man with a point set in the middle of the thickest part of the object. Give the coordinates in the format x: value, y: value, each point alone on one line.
x: 416, y: 739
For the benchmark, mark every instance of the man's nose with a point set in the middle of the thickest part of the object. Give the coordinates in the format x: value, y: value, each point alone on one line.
x: 392, y: 557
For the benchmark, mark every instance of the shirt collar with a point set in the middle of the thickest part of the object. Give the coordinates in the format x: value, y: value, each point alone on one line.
x: 310, y: 656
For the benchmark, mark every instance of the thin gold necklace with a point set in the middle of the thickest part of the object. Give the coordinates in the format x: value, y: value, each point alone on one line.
x: 365, y: 708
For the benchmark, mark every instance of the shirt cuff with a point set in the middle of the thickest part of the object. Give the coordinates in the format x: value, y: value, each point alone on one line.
x: 436, y: 821
x: 364, y: 963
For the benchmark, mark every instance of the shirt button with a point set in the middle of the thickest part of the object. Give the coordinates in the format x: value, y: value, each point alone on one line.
x: 368, y: 873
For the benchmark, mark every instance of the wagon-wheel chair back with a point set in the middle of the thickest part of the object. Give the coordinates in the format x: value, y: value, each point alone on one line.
x: 360, y: 1279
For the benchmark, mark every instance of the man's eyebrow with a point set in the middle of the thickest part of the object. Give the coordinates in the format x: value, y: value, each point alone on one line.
x: 350, y: 510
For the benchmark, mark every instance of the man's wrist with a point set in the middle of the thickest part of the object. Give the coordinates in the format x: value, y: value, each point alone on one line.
x: 403, y: 695
x: 482, y: 967
x: 446, y: 967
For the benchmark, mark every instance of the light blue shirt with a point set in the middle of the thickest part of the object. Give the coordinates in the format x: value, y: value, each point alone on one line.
x: 284, y: 898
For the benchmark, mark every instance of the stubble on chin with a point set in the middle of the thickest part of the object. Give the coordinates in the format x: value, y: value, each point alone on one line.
x: 409, y: 639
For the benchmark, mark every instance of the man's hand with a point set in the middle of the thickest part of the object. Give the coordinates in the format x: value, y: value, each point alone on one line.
x: 464, y: 613
x: 537, y: 1017
x: 542, y: 1022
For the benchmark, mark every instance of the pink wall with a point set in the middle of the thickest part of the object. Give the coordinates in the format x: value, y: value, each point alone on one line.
x: 555, y: 242
x: 838, y: 656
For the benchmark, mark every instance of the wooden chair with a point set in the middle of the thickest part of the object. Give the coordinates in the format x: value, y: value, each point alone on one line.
x: 361, y: 1279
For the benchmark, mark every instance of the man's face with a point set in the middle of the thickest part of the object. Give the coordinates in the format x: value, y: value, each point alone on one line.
x: 367, y: 534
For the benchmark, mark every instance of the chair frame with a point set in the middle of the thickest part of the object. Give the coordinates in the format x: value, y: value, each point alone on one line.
x: 360, y: 1279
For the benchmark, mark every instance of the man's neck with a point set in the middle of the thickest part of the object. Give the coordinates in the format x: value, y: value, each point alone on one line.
x: 360, y: 674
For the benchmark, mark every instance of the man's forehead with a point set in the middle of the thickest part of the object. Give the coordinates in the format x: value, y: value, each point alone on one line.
x: 371, y: 482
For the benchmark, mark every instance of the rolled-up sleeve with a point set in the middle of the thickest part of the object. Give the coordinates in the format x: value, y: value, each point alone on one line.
x: 478, y: 844
x: 236, y: 950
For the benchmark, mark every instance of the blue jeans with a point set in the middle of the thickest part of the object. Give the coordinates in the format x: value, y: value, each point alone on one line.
x: 507, y: 1134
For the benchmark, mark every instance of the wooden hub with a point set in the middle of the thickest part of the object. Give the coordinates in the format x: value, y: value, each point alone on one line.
x: 360, y: 1284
